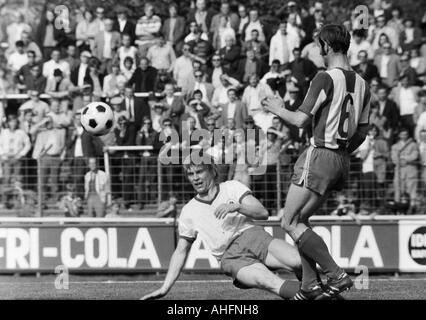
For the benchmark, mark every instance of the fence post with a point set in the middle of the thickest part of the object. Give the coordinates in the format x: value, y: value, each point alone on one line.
x: 278, y: 186
x: 159, y: 181
x: 39, y: 189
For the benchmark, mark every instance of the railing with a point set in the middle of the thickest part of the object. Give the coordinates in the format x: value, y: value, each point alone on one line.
x: 139, y: 184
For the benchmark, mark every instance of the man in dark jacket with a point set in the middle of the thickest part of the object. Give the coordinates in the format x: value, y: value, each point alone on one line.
x: 144, y: 77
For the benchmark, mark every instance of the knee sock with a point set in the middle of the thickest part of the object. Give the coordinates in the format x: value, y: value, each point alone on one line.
x: 289, y: 288
x: 312, y: 245
x: 310, y: 275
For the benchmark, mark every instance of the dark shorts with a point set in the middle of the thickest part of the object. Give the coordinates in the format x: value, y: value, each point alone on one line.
x: 248, y: 248
x: 321, y: 169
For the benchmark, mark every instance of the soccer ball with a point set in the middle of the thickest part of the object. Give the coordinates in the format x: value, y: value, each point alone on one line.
x: 97, y: 118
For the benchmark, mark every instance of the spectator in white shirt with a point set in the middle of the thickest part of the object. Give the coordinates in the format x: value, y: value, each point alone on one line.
x: 358, y: 43
x: 14, y: 145
x: 15, y: 29
x: 254, y: 94
x: 312, y: 52
x: 182, y: 69
x: 18, y: 58
x: 294, y: 33
x: 161, y: 55
x: 114, y: 82
x: 254, y: 24
x: 193, y: 31
x: 147, y: 28
x: 127, y: 50
x: 56, y: 63
x: 280, y: 47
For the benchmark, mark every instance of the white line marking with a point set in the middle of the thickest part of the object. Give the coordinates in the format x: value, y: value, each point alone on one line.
x: 179, y: 281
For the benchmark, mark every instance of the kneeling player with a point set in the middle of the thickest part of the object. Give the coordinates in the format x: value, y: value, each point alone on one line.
x: 222, y: 215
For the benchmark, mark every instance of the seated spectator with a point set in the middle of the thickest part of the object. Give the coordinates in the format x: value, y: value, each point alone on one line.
x: 167, y: 208
x: 81, y: 74
x: 195, y: 32
x: 114, y: 82
x: 201, y: 48
x: 117, y: 107
x: 173, y: 104
x: 14, y: 145
x: 253, y: 94
x: 250, y: 66
x: 18, y: 58
x: 202, y: 15
x: 225, y: 11
x: 96, y: 188
x: 405, y: 156
x: 411, y: 36
x: 254, y: 23
x: 220, y: 95
x: 70, y: 204
x: 365, y: 68
x: 86, y: 31
x: 359, y: 43
x: 58, y: 86
x: 59, y: 117
x: 161, y: 55
x: 230, y: 54
x: 381, y: 28
x: 129, y: 68
x: 37, y: 106
x: 418, y: 63
x: 197, y: 109
x: 113, y: 211
x: 163, y: 78
x: 127, y: 50
x: 56, y: 63
x: 173, y: 29
x: 260, y: 48
x: 263, y: 119
x: 144, y: 77
x: 158, y: 114
x: 147, y: 28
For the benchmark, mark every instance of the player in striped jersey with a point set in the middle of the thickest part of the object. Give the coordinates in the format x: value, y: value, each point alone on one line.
x: 336, y: 110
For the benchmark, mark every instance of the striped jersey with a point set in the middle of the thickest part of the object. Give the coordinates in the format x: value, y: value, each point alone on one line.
x: 338, y: 101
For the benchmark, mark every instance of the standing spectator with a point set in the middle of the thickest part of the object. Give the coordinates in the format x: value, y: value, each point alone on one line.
x: 80, y: 74
x: 25, y: 71
x: 99, y: 21
x: 254, y: 24
x: 294, y: 33
x: 96, y: 186
x: 127, y: 50
x: 260, y: 48
x: 220, y: 95
x: 407, y: 70
x: 18, y: 58
x: 39, y: 108
x: 123, y: 25
x: 250, y: 66
x: 388, y: 65
x: 374, y: 153
x: 396, y: 21
x: 15, y: 29
x: 105, y: 45
x: 388, y: 108
x: 195, y: 32
x: 280, y: 47
x: 56, y: 63
x: 144, y: 77
x: 302, y: 69
x: 359, y: 43
x: 230, y: 54
x: 129, y: 68
x: 147, y: 136
x: 14, y: 145
x: 243, y: 17
x: 253, y: 94
x: 222, y: 32
x: 137, y: 108
x: 182, y: 69
x: 30, y: 45
x: 114, y: 82
x: 86, y: 31
x: 58, y: 86
x: 72, y: 56
x: 147, y: 29
x: 406, y: 98
x: 405, y: 156
x: 232, y: 19
x: 173, y: 29
x: 202, y: 15
x: 202, y: 49
x: 234, y: 109
x: 381, y: 122
x: 365, y: 68
x: 312, y: 52
x: 200, y: 84
x: 411, y: 36
x: 418, y: 63
x: 48, y: 148
x: 161, y: 55
x: 173, y: 104
x: 380, y: 28
x: 197, y: 111
x: 48, y: 35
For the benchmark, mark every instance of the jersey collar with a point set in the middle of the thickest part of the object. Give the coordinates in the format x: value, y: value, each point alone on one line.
x: 212, y: 200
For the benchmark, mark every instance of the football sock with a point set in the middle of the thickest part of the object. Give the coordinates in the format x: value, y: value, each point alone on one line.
x: 310, y: 276
x: 312, y: 245
x: 289, y: 288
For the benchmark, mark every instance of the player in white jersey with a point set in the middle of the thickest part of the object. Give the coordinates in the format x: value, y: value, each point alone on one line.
x: 336, y: 110
x: 222, y: 216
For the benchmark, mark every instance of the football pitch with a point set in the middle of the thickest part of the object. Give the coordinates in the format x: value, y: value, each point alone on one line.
x: 188, y: 287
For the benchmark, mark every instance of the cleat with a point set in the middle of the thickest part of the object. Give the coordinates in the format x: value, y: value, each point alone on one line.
x: 336, y: 286
x: 316, y: 293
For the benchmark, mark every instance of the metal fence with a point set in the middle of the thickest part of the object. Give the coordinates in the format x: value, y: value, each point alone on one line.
x: 139, y: 184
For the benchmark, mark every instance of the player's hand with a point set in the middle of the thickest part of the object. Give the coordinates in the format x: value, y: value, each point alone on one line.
x: 273, y: 105
x: 157, y: 294
x: 226, y: 208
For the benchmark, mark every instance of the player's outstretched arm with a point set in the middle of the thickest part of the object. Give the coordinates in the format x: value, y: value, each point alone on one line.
x: 275, y: 105
x: 176, y: 264
x: 249, y: 206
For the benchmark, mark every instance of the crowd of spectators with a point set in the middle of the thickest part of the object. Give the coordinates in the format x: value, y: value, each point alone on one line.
x: 209, y: 69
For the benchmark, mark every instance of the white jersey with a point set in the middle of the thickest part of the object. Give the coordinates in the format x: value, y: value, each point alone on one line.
x: 197, y: 218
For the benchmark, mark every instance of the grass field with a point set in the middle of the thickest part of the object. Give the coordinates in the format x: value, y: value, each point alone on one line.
x: 188, y: 287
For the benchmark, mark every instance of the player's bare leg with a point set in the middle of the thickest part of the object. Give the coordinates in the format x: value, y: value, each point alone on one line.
x: 258, y: 276
x: 282, y: 255
x: 300, y: 205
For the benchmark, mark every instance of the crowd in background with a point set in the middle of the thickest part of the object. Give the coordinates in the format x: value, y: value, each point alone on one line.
x: 208, y: 69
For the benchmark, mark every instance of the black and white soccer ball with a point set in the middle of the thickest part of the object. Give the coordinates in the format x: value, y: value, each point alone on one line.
x: 97, y: 118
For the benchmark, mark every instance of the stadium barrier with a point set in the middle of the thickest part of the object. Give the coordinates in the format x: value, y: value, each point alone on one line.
x: 142, y: 245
